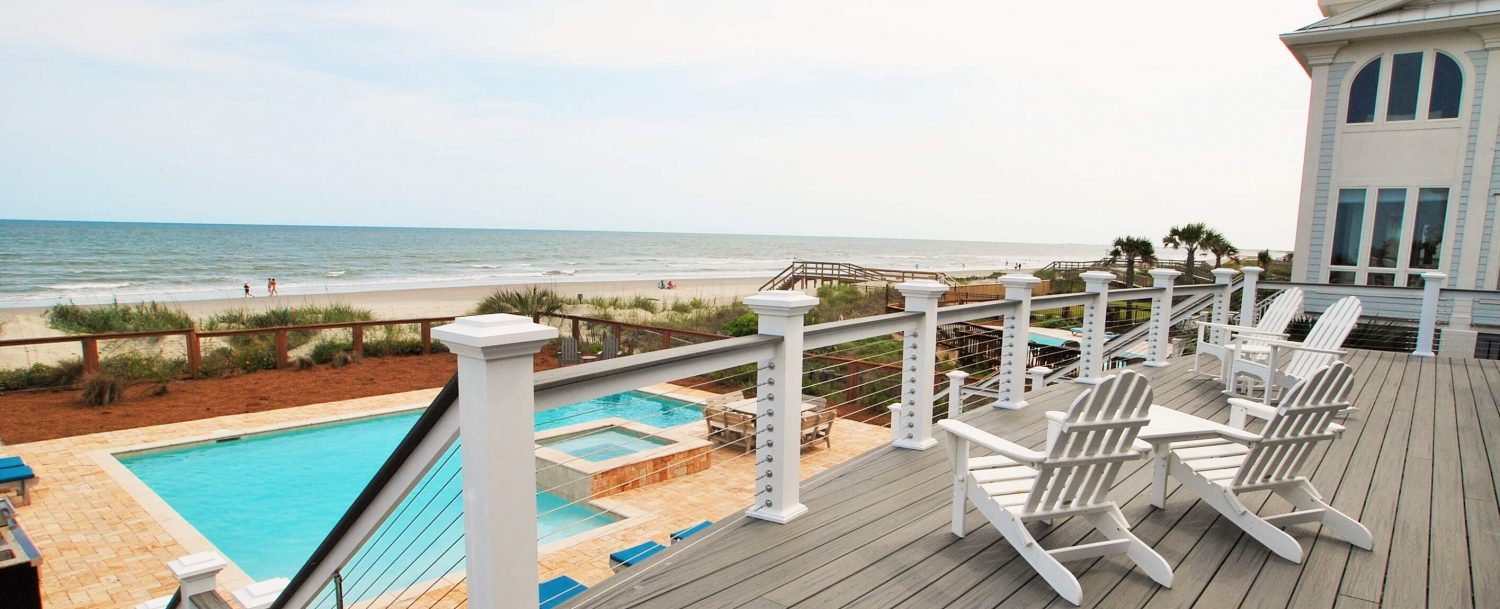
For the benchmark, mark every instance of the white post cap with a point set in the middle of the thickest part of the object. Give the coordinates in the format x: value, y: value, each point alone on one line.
x: 957, y: 374
x: 260, y: 595
x: 496, y: 335
x: 1164, y: 273
x: 1224, y: 275
x: 1040, y: 370
x: 1097, y: 278
x: 781, y: 303
x: 922, y: 288
x: 1252, y: 270
x: 1434, y: 276
x: 1019, y: 280
x: 196, y: 565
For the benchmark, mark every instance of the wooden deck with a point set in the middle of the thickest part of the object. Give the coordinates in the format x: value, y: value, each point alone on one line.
x: 1414, y: 467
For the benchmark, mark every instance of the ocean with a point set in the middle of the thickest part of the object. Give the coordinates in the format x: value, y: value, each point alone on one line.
x: 44, y: 263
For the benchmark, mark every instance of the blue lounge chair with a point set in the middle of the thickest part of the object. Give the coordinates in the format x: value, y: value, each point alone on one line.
x: 558, y: 590
x: 17, y: 476
x: 688, y: 532
x: 634, y: 555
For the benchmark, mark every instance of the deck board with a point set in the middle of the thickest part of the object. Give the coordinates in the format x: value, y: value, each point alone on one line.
x: 1418, y: 465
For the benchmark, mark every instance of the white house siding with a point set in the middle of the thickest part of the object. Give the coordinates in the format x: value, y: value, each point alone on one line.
x: 1320, y: 219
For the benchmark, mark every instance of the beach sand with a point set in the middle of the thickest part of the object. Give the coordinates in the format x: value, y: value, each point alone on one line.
x: 30, y: 322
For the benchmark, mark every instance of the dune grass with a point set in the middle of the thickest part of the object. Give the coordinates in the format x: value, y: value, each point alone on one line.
x: 143, y: 317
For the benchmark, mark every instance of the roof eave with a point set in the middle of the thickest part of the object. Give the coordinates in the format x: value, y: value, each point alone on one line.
x: 1299, y: 39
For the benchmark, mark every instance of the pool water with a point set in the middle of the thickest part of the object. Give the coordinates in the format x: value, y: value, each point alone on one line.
x: 603, y: 445
x: 267, y: 500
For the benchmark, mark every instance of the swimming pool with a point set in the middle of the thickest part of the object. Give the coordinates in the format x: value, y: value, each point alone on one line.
x: 267, y: 500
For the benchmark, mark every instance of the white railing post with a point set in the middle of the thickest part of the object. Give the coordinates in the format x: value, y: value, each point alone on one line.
x: 1427, y: 322
x: 1091, y: 344
x: 778, y: 407
x: 496, y: 407
x: 956, y: 380
x: 1248, y: 295
x: 1014, y: 350
x: 1161, y: 317
x: 1038, y: 376
x: 919, y: 364
x: 1222, y: 302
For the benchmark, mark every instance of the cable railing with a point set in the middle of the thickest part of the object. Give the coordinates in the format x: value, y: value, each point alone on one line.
x: 407, y: 541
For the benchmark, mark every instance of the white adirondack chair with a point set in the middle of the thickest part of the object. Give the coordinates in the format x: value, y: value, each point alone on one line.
x: 1072, y: 478
x: 1316, y: 351
x: 1218, y: 462
x: 1272, y: 325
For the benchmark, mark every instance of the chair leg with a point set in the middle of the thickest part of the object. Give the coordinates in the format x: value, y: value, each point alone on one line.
x: 1224, y: 501
x: 1303, y: 497
x: 1061, y: 579
x: 1159, y: 468
x: 1112, y: 524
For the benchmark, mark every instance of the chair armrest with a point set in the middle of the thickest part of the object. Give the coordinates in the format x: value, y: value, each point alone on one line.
x: 1239, y: 329
x: 1286, y: 344
x: 991, y: 441
x: 1237, y: 435
x: 1254, y: 409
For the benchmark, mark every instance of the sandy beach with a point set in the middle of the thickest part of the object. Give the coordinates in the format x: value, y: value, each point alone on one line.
x: 30, y: 322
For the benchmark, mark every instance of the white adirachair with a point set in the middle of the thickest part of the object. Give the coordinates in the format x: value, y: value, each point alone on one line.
x: 1073, y: 477
x: 1217, y: 463
x: 1314, y: 352
x: 1252, y: 340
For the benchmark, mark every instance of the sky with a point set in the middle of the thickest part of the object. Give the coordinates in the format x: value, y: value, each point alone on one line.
x: 1063, y: 122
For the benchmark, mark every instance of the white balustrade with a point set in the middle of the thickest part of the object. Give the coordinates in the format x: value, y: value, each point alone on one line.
x: 956, y: 380
x: 1248, y: 295
x: 1091, y: 344
x: 1427, y: 321
x: 496, y: 405
x: 919, y: 364
x: 1160, y: 331
x: 778, y: 421
x: 1223, y: 300
x: 1014, y: 351
x: 1038, y: 376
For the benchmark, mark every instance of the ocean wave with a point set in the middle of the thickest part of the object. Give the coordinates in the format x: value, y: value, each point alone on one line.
x: 86, y: 286
x: 561, y: 272
x: 335, y: 273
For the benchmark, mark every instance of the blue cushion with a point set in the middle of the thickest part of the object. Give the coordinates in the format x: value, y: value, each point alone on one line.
x: 558, y: 590
x: 688, y: 532
x: 10, y: 462
x: 635, y: 554
x: 12, y: 474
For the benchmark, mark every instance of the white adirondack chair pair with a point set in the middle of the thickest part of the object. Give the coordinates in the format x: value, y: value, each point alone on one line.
x: 1099, y: 432
x: 1251, y: 340
x: 1264, y: 363
x: 1217, y: 462
x: 1017, y: 485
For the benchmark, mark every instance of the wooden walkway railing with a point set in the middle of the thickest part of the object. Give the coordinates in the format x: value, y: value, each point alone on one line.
x: 802, y: 273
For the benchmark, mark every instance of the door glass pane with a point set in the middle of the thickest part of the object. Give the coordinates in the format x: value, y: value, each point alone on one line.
x: 1414, y: 280
x: 1380, y: 279
x: 1406, y: 74
x: 1427, y: 235
x: 1447, y: 86
x: 1362, y: 94
x: 1351, y: 214
x: 1341, y: 277
x: 1385, y: 234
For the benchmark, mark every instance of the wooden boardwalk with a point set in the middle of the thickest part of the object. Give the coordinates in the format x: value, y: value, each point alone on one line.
x: 1419, y: 466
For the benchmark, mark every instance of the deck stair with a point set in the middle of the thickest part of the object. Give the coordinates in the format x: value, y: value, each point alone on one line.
x: 805, y: 273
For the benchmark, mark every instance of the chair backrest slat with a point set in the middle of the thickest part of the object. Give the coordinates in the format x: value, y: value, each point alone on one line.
x: 1286, y: 307
x: 1299, y: 423
x: 1101, y: 424
x: 1332, y: 327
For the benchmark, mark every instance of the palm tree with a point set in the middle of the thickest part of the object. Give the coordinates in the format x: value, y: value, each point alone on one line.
x: 1132, y: 249
x: 531, y: 301
x: 1190, y: 237
x: 1264, y: 259
x: 1220, y: 247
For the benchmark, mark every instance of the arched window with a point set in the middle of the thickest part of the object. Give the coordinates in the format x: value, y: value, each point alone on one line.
x: 1362, y: 94
x: 1447, y: 88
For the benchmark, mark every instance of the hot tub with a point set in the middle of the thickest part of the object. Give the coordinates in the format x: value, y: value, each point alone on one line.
x: 606, y: 456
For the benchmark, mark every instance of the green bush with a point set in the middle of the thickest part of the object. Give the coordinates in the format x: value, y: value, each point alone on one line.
x: 237, y: 319
x: 116, y: 317
x: 137, y: 367
x: 682, y: 307
x: 323, y: 352
x: 40, y: 375
x: 530, y: 301
x: 744, y: 325
x: 643, y: 303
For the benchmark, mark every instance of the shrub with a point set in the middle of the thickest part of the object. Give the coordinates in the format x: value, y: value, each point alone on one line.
x: 323, y: 352
x: 744, y: 325
x: 643, y: 303
x: 530, y: 301
x: 285, y: 316
x: 137, y: 366
x: 303, y: 363
x: 682, y: 307
x: 102, y: 389
x: 66, y: 372
x: 116, y: 317
x: 342, y: 359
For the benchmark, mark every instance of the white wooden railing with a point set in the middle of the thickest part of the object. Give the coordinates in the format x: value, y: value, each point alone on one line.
x: 496, y: 393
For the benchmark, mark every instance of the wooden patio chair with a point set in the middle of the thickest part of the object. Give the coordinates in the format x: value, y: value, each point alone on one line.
x: 817, y: 425
x: 1072, y: 478
x: 1223, y: 462
x: 611, y: 348
x: 714, y: 414
x: 567, y: 351
x: 1287, y: 306
x: 1316, y: 351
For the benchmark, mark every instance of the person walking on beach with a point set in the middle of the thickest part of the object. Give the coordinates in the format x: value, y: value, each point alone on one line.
x: 271, y: 286
x: 247, y: 289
